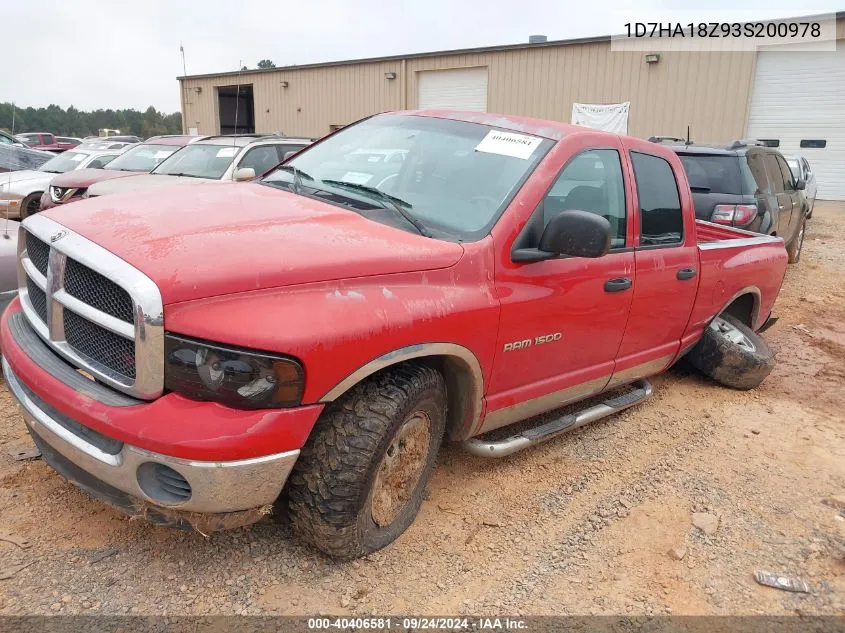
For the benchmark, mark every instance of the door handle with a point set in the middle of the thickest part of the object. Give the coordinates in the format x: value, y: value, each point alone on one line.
x: 618, y: 284
x: 686, y: 273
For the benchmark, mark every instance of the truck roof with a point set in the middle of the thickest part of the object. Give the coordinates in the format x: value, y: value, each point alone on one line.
x: 553, y: 130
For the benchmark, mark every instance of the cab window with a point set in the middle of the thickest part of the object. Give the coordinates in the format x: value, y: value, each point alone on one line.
x: 591, y: 181
x: 661, y: 219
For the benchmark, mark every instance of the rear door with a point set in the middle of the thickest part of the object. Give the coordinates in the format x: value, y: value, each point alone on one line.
x: 759, y: 185
x: 666, y: 260
x: 784, y: 225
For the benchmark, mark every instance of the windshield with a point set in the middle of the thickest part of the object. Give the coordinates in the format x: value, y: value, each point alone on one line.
x: 794, y: 168
x: 453, y: 177
x: 142, y: 158
x: 199, y: 161
x: 64, y: 162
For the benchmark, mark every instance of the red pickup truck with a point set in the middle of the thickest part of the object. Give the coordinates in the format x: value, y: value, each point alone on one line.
x: 199, y: 354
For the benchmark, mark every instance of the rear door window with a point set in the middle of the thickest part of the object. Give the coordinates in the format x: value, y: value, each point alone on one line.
x: 759, y: 181
x: 713, y: 173
x: 775, y: 175
x: 661, y: 219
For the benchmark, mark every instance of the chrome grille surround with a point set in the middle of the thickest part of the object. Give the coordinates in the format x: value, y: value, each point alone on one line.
x: 146, y: 331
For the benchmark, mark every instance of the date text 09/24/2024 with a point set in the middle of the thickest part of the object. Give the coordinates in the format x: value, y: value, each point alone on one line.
x: 418, y: 623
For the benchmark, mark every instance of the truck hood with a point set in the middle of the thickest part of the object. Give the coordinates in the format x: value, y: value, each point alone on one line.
x: 216, y: 238
x: 138, y: 182
x: 86, y: 177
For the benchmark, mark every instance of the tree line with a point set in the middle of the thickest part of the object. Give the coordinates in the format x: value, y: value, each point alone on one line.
x: 73, y: 122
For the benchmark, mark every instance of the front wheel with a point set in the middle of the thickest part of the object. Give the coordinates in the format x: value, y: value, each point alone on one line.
x: 359, y: 481
x: 31, y: 205
x: 797, y: 244
x: 733, y: 354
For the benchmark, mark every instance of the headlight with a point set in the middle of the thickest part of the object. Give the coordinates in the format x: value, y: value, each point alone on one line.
x: 239, y: 378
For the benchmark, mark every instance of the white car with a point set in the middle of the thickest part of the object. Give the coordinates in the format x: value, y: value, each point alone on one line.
x: 800, y: 169
x: 20, y: 191
x: 241, y: 157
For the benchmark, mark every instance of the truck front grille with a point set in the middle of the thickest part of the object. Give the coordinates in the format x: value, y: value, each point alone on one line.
x: 97, y: 291
x: 39, y: 253
x: 37, y: 298
x: 100, y: 346
x: 98, y: 312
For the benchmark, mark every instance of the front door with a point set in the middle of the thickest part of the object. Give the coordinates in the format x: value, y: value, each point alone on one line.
x: 562, y: 319
x: 667, y: 270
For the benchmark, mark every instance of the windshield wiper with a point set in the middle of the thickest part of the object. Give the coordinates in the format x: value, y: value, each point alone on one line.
x: 179, y: 173
x: 298, y: 175
x: 393, y: 203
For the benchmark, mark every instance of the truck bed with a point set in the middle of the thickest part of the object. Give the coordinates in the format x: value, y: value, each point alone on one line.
x: 733, y: 263
x: 709, y: 232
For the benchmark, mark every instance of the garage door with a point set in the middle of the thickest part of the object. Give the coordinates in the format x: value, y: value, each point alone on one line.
x: 799, y: 99
x: 459, y: 88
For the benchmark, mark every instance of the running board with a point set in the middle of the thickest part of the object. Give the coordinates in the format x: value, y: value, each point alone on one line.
x: 500, y: 448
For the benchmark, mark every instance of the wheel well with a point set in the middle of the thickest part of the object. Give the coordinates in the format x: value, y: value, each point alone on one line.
x: 464, y: 390
x: 742, y: 308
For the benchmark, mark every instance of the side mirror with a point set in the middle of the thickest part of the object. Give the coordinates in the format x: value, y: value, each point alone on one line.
x: 800, y: 184
x: 244, y: 173
x: 572, y: 233
x: 290, y: 154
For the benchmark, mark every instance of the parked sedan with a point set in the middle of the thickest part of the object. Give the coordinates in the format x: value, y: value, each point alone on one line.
x: 800, y: 169
x: 20, y: 191
x: 140, y: 158
x: 241, y: 157
x: 8, y: 262
x: 68, y: 142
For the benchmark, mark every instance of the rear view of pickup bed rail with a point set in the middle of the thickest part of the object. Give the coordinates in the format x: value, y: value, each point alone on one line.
x: 200, y: 354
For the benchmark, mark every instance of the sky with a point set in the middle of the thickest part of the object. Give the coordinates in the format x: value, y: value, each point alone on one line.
x: 125, y: 54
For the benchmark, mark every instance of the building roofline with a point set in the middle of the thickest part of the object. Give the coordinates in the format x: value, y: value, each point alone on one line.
x: 390, y: 58
x: 838, y: 15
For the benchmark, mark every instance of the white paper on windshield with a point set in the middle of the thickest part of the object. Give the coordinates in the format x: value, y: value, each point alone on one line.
x: 509, y: 144
x: 227, y: 152
x: 356, y: 177
x: 164, y: 154
x: 78, y: 157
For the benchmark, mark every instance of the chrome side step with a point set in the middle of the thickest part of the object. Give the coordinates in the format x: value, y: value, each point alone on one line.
x: 530, y: 437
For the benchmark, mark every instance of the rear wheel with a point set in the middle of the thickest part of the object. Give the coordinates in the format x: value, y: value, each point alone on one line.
x: 797, y: 244
x: 359, y: 481
x: 31, y: 205
x: 732, y: 354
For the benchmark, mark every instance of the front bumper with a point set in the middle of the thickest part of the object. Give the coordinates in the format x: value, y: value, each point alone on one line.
x: 215, y: 487
x: 225, y: 460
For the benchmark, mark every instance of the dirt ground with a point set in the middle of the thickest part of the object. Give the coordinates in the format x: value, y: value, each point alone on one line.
x: 580, y: 525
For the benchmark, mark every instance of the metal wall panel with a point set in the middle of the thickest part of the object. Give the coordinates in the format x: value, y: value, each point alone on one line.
x: 709, y: 91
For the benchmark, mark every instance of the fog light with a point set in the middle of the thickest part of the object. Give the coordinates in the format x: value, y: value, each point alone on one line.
x: 163, y: 484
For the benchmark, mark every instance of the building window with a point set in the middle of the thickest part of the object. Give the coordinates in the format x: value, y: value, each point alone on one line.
x: 770, y: 142
x: 815, y: 143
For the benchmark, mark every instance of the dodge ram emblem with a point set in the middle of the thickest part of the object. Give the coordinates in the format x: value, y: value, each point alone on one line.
x: 55, y: 237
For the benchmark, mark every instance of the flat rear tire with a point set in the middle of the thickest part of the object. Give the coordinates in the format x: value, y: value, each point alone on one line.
x: 732, y: 354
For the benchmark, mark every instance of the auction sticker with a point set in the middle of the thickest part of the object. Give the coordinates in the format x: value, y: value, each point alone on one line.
x: 509, y: 144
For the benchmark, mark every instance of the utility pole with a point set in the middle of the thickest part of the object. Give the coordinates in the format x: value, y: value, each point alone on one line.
x: 184, y: 91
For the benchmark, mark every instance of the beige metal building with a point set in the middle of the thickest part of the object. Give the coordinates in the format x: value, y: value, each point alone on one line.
x: 720, y: 95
